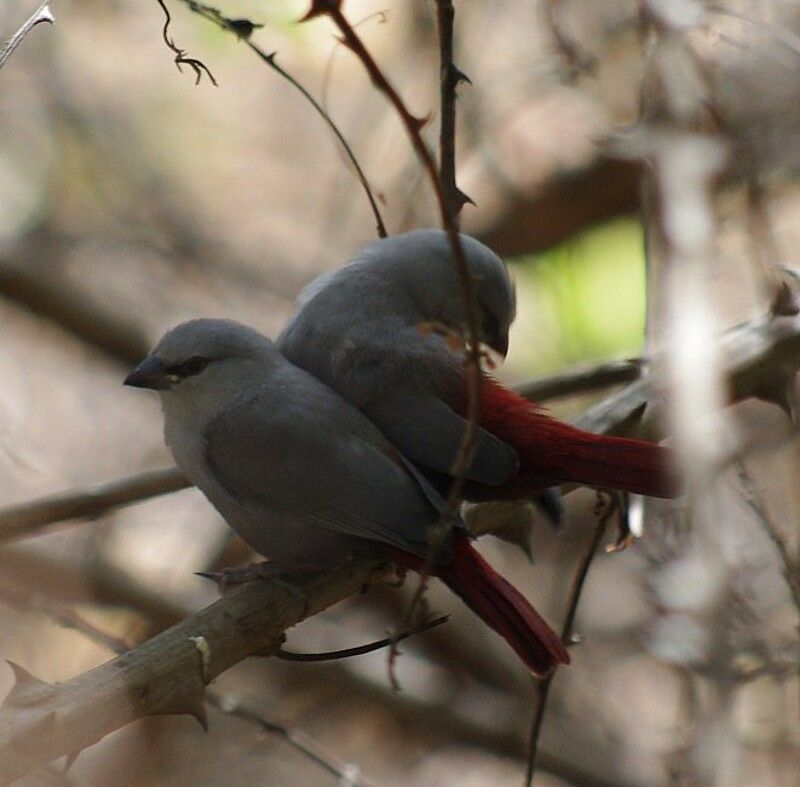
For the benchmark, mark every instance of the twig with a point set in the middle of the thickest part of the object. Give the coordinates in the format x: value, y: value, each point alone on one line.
x: 361, y: 650
x: 41, y: 14
x: 791, y: 571
x: 449, y: 77
x: 28, y: 518
x: 543, y: 687
x: 198, y: 66
x: 242, y: 29
x: 349, y: 774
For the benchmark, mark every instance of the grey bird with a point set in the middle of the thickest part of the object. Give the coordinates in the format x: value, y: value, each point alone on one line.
x: 369, y: 332
x: 307, y: 480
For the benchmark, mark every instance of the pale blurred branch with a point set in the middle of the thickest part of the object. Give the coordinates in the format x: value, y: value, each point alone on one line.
x: 28, y: 518
x: 348, y: 773
x: 41, y: 14
x: 29, y: 276
x: 790, y: 566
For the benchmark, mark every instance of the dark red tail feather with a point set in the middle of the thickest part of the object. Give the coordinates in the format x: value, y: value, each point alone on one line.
x: 553, y: 452
x: 499, y: 604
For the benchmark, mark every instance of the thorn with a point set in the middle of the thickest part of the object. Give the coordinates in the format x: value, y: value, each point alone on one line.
x: 27, y: 689
x: 459, y: 75
x: 463, y: 199
x: 71, y: 757
x: 191, y: 705
x: 198, y: 711
x: 243, y: 28
x: 320, y: 8
x: 420, y: 122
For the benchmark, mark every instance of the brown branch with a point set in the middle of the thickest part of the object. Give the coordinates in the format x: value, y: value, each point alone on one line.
x: 449, y: 77
x: 543, y: 688
x: 29, y: 518
x: 41, y: 14
x: 28, y: 277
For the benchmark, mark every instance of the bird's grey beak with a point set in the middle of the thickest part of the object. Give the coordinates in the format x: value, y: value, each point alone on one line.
x: 150, y: 373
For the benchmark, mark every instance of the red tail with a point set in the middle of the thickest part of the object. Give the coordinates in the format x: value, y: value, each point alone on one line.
x: 551, y: 451
x: 499, y: 604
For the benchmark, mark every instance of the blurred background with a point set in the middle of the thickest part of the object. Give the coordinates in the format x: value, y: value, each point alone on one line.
x: 132, y: 199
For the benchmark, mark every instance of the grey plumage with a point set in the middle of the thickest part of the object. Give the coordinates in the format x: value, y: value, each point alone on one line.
x: 302, y: 476
x: 358, y: 330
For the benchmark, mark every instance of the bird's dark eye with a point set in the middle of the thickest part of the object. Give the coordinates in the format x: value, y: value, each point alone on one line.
x: 189, y: 368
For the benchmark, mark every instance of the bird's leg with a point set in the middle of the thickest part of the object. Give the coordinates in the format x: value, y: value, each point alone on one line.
x: 610, y: 502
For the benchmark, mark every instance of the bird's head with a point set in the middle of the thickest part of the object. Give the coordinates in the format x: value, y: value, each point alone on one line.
x: 421, y: 261
x: 203, y: 358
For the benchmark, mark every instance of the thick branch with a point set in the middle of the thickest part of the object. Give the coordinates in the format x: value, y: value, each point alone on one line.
x: 166, y: 675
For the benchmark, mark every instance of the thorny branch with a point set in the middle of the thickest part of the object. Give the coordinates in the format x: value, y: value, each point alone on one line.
x: 41, y: 14
x: 167, y: 674
x: 243, y: 30
x: 449, y: 78
x: 605, y: 510
x: 225, y: 703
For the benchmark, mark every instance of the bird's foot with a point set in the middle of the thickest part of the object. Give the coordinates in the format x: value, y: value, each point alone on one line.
x: 262, y: 570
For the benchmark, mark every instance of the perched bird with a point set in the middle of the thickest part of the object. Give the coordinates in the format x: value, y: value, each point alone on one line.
x: 307, y: 480
x: 379, y: 331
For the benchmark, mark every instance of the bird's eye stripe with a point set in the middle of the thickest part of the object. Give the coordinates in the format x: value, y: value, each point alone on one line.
x: 189, y: 368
